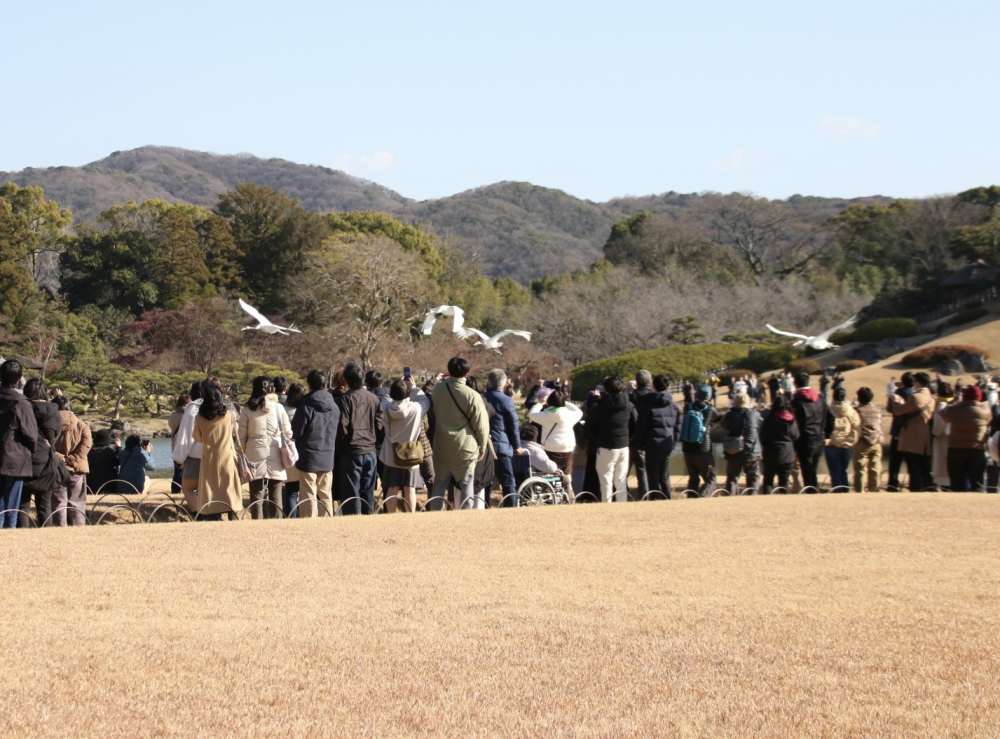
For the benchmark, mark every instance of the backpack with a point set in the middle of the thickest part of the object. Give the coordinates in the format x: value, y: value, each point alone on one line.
x: 693, y: 429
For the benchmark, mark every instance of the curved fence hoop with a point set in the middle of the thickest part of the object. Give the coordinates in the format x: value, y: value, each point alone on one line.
x: 147, y: 496
x: 130, y: 509
x: 841, y: 489
x: 215, y: 502
x: 447, y: 504
x: 578, y: 496
x: 179, y: 508
x: 249, y: 509
x: 687, y: 493
x: 806, y: 488
x: 516, y: 496
x: 780, y: 491
x: 650, y: 496
x: 398, y: 498
x: 18, y: 511
x: 748, y: 491
x: 66, y: 508
x: 301, y: 500
x: 340, y: 508
x: 116, y: 481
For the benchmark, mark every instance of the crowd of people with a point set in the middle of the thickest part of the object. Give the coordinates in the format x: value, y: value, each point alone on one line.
x: 308, y: 451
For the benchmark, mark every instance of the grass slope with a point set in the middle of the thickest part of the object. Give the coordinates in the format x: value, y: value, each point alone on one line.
x: 833, y: 616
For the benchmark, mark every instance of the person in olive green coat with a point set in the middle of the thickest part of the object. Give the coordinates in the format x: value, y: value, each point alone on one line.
x: 461, y: 433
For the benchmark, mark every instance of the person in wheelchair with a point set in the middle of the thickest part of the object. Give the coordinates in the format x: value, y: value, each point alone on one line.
x: 537, y: 463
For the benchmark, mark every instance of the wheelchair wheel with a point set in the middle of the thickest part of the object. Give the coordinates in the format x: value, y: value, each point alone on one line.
x: 536, y: 491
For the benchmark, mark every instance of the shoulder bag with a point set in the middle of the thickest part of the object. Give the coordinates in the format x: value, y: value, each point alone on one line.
x: 406, y: 454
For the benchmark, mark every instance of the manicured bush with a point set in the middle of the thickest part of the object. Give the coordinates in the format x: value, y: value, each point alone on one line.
x: 804, y: 365
x: 881, y: 328
x: 930, y: 356
x: 772, y: 358
x: 850, y: 364
x: 968, y: 316
x: 676, y: 362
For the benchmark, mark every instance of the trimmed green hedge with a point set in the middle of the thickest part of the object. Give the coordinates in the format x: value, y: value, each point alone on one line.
x: 676, y: 362
x: 968, y: 316
x: 765, y: 360
x: 850, y: 364
x: 880, y: 328
x: 810, y: 366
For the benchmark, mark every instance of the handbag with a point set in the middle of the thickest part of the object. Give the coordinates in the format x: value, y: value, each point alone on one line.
x: 733, y: 445
x: 289, y: 453
x: 246, y: 469
x: 405, y: 454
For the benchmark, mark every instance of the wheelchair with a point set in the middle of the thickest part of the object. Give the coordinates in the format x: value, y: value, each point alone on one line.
x: 538, y: 488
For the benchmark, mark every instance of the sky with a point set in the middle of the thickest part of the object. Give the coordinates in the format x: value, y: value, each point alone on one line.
x: 597, y: 99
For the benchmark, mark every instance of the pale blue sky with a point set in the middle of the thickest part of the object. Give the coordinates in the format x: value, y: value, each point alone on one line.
x: 598, y: 99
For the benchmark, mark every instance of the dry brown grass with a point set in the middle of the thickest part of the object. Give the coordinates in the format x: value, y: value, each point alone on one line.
x: 825, y: 616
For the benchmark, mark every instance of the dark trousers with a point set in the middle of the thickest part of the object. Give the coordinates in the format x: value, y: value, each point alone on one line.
x: 175, y: 483
x: 658, y: 470
x: 738, y: 464
x: 10, y: 502
x: 992, y: 477
x: 919, y: 468
x: 701, y: 465
x: 591, y: 480
x: 43, y: 508
x: 289, y: 497
x: 503, y: 468
x: 967, y: 470
x: 809, y: 456
x: 782, y: 471
x: 266, y: 493
x: 357, y: 475
x: 638, y: 458
x: 895, y: 465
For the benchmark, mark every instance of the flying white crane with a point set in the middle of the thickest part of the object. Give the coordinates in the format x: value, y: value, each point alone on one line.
x: 263, y: 324
x: 492, y: 342
x: 444, y: 310
x: 820, y: 342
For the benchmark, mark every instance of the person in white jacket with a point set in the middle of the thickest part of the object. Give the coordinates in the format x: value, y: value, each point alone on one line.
x: 187, y: 451
x: 557, y: 420
x: 262, y: 428
x: 403, y: 413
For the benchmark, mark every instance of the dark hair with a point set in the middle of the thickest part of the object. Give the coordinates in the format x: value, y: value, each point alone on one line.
x: 399, y: 390
x: 840, y: 394
x: 907, y: 379
x: 944, y: 389
x: 781, y: 403
x: 529, y: 432
x: 801, y: 379
x: 34, y: 389
x: 923, y: 378
x: 353, y: 376
x: 132, y: 441
x: 182, y: 401
x: 258, y: 394
x: 614, y: 384
x: 458, y: 366
x: 865, y: 395
x: 473, y: 384
x: 316, y: 380
x: 661, y: 383
x: 196, y: 389
x: 373, y: 378
x: 11, y: 373
x: 295, y: 393
x: 213, y: 380
x: 555, y: 400
x: 280, y: 384
x: 63, y: 403
x: 211, y: 405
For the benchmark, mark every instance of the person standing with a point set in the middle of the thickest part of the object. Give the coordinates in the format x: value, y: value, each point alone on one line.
x: 612, y: 423
x: 290, y: 490
x: 403, y: 412
x: 915, y: 414
x: 815, y: 426
x: 263, y: 427
x: 840, y: 446
x: 42, y: 481
x: 505, y: 432
x: 314, y: 431
x: 219, y: 487
x: 658, y: 422
x: 174, y: 424
x: 774, y: 385
x: 373, y: 383
x: 73, y: 447
x: 360, y: 427
x: 461, y: 433
x: 897, y: 392
x: 742, y: 425
x: 636, y: 453
x: 19, y: 434
x: 778, y: 434
x: 186, y: 451
x: 944, y: 396
x: 557, y: 421
x: 969, y: 421
x: 868, y: 449
x: 696, y: 443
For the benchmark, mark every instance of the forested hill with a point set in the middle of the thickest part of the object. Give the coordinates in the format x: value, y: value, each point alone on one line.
x: 516, y: 229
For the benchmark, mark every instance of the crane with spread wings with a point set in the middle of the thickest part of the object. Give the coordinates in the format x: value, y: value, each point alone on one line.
x: 819, y: 342
x: 264, y: 324
x: 492, y: 342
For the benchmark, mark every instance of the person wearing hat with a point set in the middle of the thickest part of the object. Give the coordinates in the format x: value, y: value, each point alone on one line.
x: 102, y: 462
x: 742, y: 446
x: 969, y: 422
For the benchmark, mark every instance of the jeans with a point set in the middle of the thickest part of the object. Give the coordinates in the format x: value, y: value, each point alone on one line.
x: 967, y: 470
x: 658, y: 470
x: 838, y: 460
x: 357, y: 473
x: 465, y: 489
x: 10, y: 501
x: 809, y: 456
x: 503, y: 468
x: 289, y: 497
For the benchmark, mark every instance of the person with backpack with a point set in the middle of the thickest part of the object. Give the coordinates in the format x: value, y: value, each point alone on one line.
x: 815, y: 426
x: 658, y: 425
x: 696, y: 443
x: 778, y: 435
x: 742, y: 445
x: 868, y: 448
x: 612, y: 423
x: 840, y: 445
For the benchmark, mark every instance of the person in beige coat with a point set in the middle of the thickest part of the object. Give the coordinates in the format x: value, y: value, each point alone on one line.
x: 263, y: 426
x: 219, y: 487
x: 403, y: 413
x: 916, y: 414
x: 840, y: 446
x: 69, y: 502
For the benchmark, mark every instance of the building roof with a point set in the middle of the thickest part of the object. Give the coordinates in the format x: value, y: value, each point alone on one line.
x: 977, y: 274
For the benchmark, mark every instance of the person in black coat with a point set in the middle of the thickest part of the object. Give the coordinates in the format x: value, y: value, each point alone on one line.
x: 18, y: 437
x: 42, y: 481
x: 658, y: 425
x: 698, y: 455
x: 612, y: 423
x: 742, y: 422
x: 637, y: 453
x: 103, y: 461
x: 815, y: 426
x: 778, y: 435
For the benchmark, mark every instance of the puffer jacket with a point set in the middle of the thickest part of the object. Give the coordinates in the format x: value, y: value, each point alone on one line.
x: 813, y: 416
x: 778, y: 435
x: 314, y: 429
x: 75, y: 443
x: 658, y: 425
x: 846, y: 425
x: 261, y: 433
x: 612, y: 421
x: 970, y: 424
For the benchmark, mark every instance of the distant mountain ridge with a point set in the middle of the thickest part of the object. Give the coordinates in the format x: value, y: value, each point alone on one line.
x: 517, y: 229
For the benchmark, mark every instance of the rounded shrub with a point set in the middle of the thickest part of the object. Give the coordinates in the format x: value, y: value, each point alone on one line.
x: 928, y: 356
x: 850, y: 364
x: 804, y: 365
x: 883, y: 328
x: 968, y: 316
